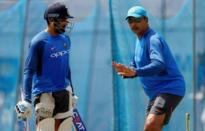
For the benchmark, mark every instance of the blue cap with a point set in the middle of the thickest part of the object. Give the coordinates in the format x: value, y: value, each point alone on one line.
x: 136, y: 11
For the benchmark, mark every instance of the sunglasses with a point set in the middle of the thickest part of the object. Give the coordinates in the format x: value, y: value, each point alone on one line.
x: 133, y: 19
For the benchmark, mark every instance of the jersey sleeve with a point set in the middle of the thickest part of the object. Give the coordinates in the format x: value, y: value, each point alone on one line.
x: 70, y: 79
x: 155, y: 50
x: 69, y: 70
x: 132, y: 63
x: 156, y: 66
x: 30, y: 68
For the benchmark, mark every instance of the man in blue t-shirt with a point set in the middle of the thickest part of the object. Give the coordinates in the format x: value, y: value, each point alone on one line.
x: 47, y: 74
x: 154, y: 64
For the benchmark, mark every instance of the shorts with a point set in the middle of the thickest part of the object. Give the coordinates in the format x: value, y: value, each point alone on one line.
x: 163, y: 104
x: 62, y: 103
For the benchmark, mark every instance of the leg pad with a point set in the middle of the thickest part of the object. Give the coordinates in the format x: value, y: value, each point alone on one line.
x: 47, y: 124
x: 66, y: 125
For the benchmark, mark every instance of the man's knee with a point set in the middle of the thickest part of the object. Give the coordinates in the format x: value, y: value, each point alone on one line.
x: 152, y: 127
x: 154, y: 123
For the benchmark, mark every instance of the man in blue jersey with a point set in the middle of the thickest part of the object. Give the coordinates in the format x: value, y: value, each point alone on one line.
x: 47, y: 74
x: 155, y: 66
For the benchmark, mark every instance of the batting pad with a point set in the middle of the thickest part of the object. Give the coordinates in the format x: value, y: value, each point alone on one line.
x: 66, y: 125
x: 46, y: 125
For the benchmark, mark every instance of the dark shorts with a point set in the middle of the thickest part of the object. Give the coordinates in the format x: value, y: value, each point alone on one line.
x: 163, y: 104
x: 61, y: 101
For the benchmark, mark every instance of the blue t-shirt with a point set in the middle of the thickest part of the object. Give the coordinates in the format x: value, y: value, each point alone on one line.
x: 47, y: 65
x: 156, y: 67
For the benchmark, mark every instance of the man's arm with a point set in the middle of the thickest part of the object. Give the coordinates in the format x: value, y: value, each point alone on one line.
x: 30, y: 68
x: 24, y: 107
x: 157, y: 60
x: 70, y: 80
x: 154, y: 68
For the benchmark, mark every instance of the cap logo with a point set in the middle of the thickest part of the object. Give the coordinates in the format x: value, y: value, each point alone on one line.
x: 53, y: 15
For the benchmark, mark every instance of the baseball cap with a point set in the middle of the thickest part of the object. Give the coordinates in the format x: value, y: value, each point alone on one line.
x: 57, y: 10
x: 136, y: 11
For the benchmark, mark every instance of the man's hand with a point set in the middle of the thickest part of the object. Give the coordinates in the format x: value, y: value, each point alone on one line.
x: 23, y: 110
x: 123, y: 70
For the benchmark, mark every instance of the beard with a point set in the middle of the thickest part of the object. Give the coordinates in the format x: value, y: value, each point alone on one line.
x: 59, y: 29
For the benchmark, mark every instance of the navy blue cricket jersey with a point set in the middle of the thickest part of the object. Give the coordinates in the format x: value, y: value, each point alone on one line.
x: 47, y: 65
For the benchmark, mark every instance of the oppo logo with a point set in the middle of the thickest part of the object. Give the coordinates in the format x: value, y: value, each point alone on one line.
x: 59, y: 54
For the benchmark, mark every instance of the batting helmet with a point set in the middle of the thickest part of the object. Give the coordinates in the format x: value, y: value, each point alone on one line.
x: 57, y: 10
